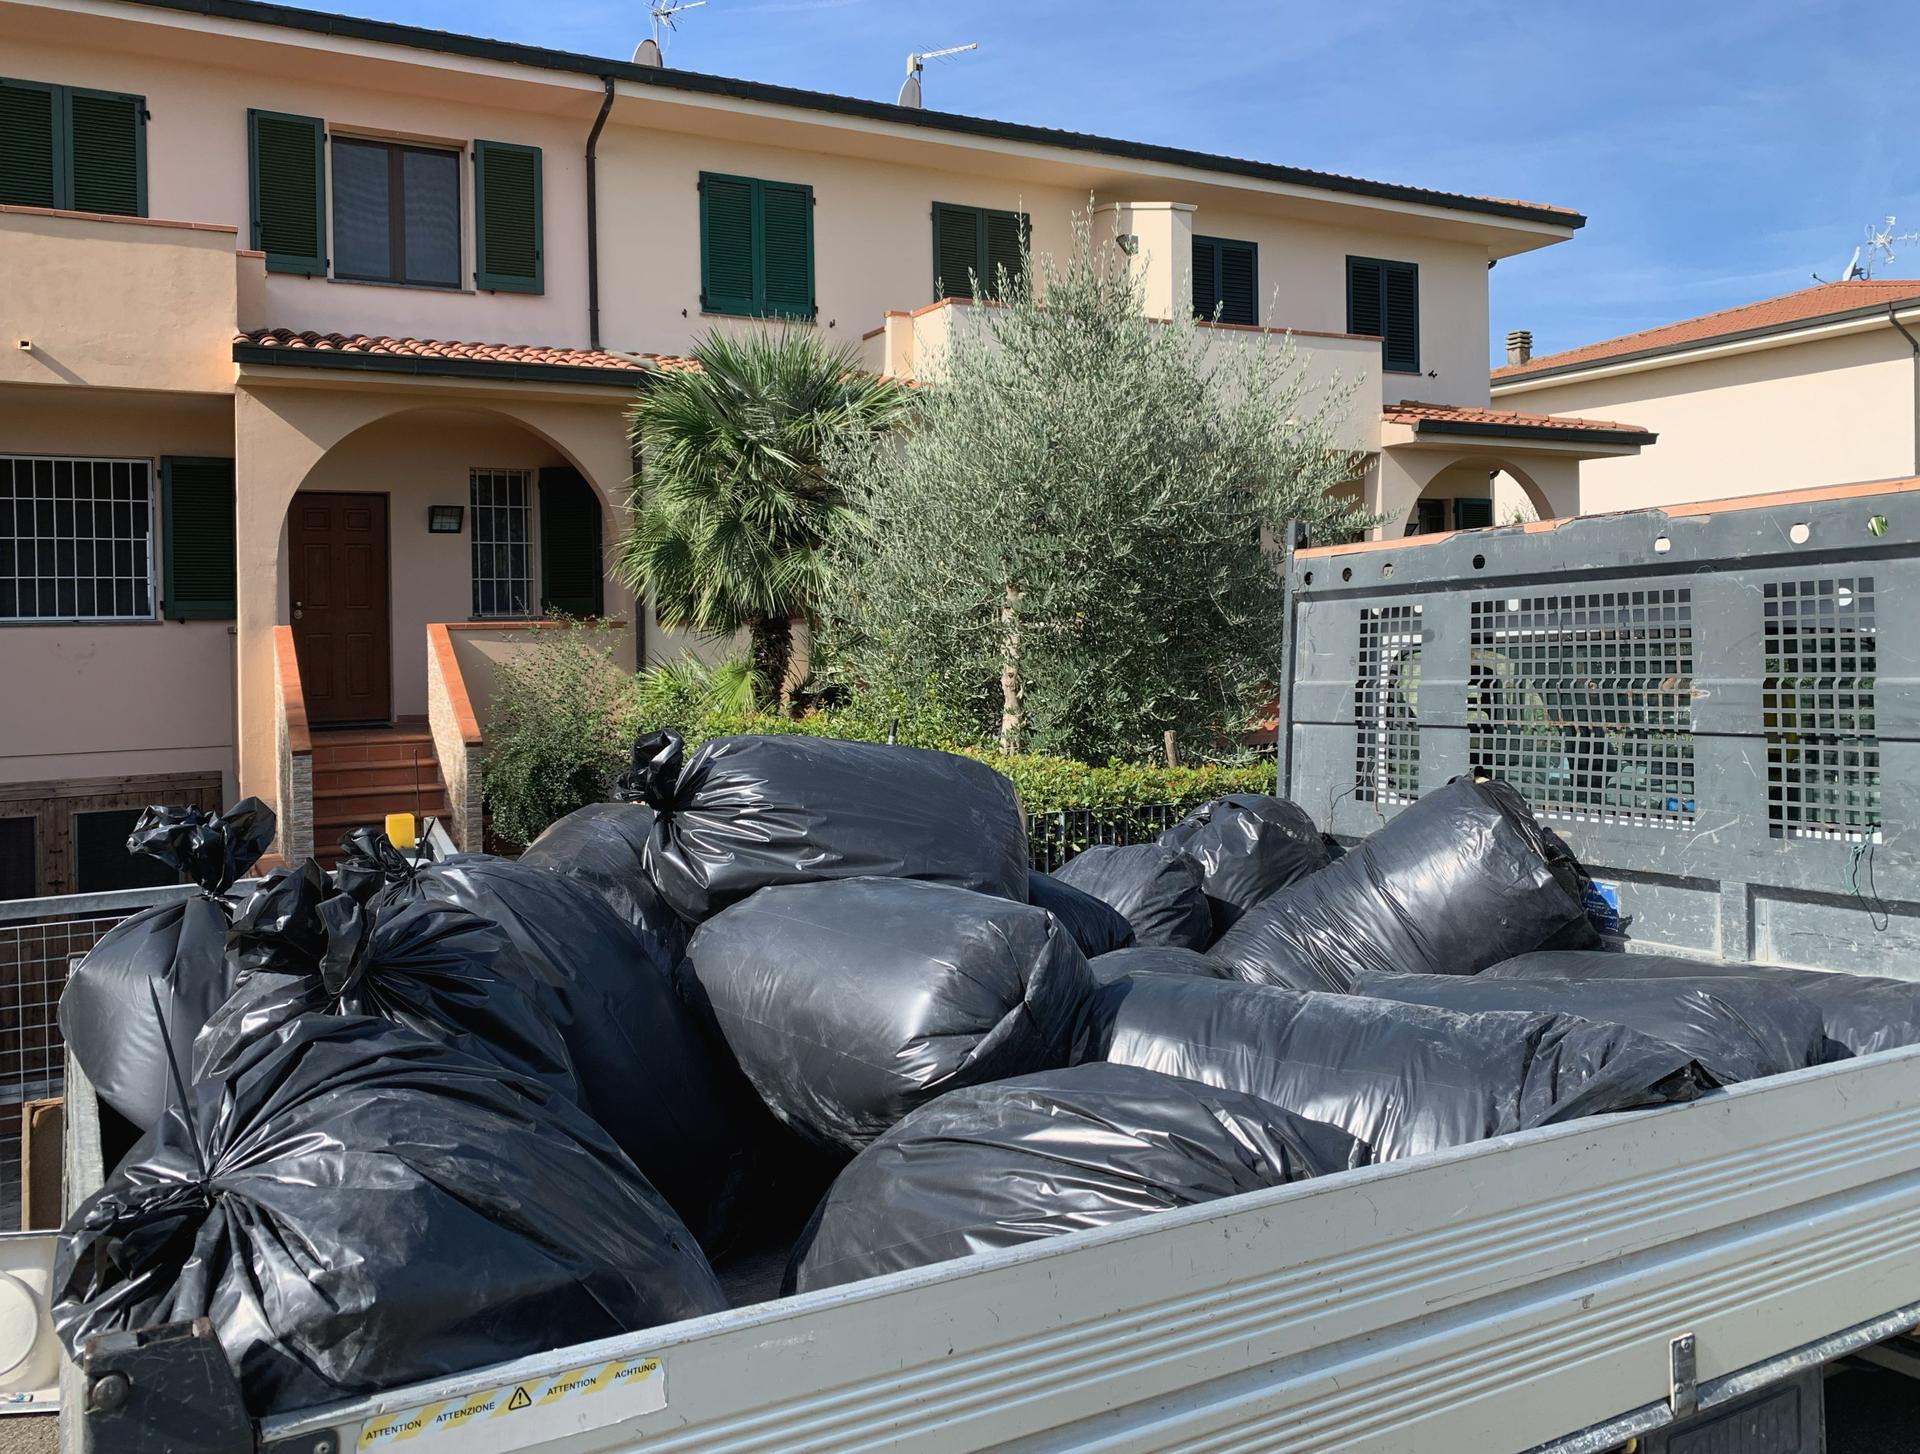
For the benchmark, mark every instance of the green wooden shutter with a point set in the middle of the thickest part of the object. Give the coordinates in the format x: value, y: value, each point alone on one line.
x: 786, y: 249
x: 197, y: 528
x: 1239, y: 283
x: 727, y: 244
x: 288, y: 177
x: 508, y: 227
x: 1004, y: 232
x: 1471, y: 513
x: 956, y: 250
x: 108, y: 152
x: 1365, y: 310
x: 1402, y: 310
x: 572, y: 572
x: 1206, y: 276
x: 32, y: 144
x: 1429, y: 517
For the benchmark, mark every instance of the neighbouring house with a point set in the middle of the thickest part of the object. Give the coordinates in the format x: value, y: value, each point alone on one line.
x: 1816, y: 387
x: 319, y: 335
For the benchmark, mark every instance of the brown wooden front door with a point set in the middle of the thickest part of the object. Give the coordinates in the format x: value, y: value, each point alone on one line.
x: 338, y: 550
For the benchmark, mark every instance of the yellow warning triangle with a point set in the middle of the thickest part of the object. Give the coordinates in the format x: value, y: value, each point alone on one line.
x: 519, y: 1400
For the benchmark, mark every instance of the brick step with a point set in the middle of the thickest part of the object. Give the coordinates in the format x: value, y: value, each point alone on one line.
x: 386, y: 752
x: 352, y: 777
x: 352, y: 810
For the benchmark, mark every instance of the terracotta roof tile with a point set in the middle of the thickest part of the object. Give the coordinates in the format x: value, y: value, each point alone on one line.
x: 433, y: 348
x: 1412, y: 412
x: 1804, y: 306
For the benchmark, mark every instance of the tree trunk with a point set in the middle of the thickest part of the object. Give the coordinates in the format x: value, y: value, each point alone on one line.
x: 772, y: 652
x: 1010, y: 715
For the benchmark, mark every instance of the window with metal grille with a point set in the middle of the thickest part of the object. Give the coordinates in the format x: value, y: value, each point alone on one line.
x: 1386, y: 699
x: 1585, y: 703
x: 76, y: 539
x: 502, y: 553
x: 1823, y: 757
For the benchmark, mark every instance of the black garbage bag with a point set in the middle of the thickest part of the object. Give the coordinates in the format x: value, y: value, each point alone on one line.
x: 1097, y: 927
x: 1247, y: 846
x: 645, y: 1069
x: 356, y: 1207
x: 1733, y: 1031
x: 1863, y: 1013
x: 302, y: 945
x: 153, y: 979
x: 1155, y: 888
x: 998, y: 1166
x: 850, y: 1003
x: 747, y: 812
x: 604, y: 846
x: 1405, y: 1079
x: 1460, y: 880
x: 1153, y: 959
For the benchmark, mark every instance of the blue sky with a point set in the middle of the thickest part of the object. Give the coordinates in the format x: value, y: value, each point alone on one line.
x: 1721, y: 151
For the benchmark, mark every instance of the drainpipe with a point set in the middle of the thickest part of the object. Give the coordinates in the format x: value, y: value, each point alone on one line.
x: 1914, y: 344
x: 593, y: 215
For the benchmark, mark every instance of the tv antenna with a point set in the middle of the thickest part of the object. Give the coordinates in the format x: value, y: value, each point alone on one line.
x: 1877, y: 250
x: 653, y: 52
x: 917, y: 62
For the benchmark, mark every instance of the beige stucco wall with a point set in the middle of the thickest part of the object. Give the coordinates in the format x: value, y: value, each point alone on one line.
x: 68, y: 282
x: 1818, y: 413
x: 197, y: 168
x: 1400, y: 476
x: 123, y: 698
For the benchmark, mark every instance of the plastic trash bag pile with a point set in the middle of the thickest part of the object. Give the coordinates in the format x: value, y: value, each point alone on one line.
x: 408, y: 1117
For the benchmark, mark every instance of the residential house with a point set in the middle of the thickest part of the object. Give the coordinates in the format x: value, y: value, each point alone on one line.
x: 319, y: 335
x: 1816, y: 387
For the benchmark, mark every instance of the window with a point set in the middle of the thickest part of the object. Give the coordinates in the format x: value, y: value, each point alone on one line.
x: 1383, y: 301
x: 197, y: 527
x: 1226, y: 278
x: 100, y: 858
x: 63, y: 146
x: 502, y: 554
x: 756, y: 247
x: 506, y: 207
x: 288, y: 185
x: 396, y: 213
x: 974, y: 242
x: 19, y: 858
x: 1429, y: 518
x: 76, y: 539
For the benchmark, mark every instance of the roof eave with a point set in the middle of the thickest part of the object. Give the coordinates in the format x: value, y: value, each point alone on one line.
x: 264, y: 355
x: 1560, y: 434
x: 415, y: 37
x: 1702, y: 345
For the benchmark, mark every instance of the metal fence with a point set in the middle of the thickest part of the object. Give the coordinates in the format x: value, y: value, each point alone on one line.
x: 1053, y: 838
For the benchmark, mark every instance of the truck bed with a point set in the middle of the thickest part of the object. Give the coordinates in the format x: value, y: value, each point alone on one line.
x: 1517, y: 1294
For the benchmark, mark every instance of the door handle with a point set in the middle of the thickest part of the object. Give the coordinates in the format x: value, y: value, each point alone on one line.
x: 297, y: 613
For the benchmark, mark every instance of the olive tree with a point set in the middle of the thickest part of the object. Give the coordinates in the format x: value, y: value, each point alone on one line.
x: 1073, y: 542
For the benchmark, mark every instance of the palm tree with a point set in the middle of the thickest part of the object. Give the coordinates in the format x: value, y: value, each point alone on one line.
x: 731, y: 503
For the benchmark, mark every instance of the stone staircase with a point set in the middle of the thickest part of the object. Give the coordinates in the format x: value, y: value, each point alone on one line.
x: 362, y: 774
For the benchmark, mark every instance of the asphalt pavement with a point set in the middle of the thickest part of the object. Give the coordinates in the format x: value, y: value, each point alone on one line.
x: 1871, y: 1411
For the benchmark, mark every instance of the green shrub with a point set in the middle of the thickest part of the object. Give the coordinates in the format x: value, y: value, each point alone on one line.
x: 559, y: 728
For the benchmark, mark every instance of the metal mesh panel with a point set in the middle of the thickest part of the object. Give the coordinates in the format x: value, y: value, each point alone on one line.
x: 34, y: 957
x: 1585, y: 703
x: 1823, y: 759
x: 1386, y: 695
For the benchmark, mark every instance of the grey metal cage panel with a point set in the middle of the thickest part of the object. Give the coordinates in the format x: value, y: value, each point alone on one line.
x: 1767, y: 659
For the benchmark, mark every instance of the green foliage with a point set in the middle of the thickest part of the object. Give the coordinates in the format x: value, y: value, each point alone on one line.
x: 683, y: 693
x: 731, y: 502
x: 558, y: 730
x: 1069, y: 542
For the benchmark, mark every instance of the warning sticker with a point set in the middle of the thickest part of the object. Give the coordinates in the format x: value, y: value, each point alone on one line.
x: 510, y: 1415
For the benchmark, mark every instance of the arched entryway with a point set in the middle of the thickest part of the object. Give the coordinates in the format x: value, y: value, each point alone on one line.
x: 1474, y: 493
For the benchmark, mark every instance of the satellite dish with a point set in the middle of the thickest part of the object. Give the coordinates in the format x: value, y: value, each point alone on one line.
x: 917, y: 62
x: 910, y: 92
x: 647, y: 53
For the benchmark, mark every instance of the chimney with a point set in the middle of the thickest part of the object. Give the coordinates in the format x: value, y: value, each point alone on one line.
x: 1519, y: 347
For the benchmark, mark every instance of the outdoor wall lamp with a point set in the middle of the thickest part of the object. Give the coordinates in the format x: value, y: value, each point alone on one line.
x: 444, y: 519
